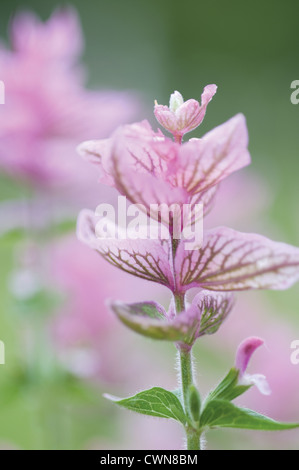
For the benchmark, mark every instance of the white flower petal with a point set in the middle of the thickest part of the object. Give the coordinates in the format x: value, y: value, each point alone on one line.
x: 260, y: 381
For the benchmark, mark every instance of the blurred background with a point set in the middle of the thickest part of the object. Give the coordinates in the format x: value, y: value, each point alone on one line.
x: 63, y: 348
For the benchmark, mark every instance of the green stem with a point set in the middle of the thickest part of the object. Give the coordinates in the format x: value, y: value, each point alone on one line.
x: 186, y: 378
x: 179, y: 303
x: 192, y: 434
x: 193, y: 439
x: 185, y: 355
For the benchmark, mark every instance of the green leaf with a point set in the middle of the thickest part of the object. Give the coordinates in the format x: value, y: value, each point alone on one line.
x: 194, y: 402
x: 154, y: 402
x: 148, y: 319
x: 148, y: 309
x: 223, y: 414
x: 228, y: 389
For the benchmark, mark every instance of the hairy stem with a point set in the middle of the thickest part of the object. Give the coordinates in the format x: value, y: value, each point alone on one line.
x: 186, y: 376
x: 193, y: 439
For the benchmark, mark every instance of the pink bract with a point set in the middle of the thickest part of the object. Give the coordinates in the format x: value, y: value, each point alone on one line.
x: 149, y: 168
x: 203, y: 316
x: 228, y: 260
x: 182, y: 117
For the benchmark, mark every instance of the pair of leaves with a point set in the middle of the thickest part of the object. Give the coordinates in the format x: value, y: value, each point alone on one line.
x: 217, y: 411
x: 204, y: 316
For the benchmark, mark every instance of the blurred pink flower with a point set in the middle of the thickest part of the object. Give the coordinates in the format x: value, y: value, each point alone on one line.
x: 48, y: 111
x: 48, y: 40
x: 84, y: 328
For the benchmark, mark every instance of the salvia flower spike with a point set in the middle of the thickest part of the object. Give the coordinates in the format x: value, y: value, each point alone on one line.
x: 149, y: 168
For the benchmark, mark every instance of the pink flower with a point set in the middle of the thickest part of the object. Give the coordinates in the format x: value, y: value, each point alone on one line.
x: 48, y: 111
x: 47, y: 40
x: 149, y: 168
x: 182, y: 117
x: 243, y: 355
